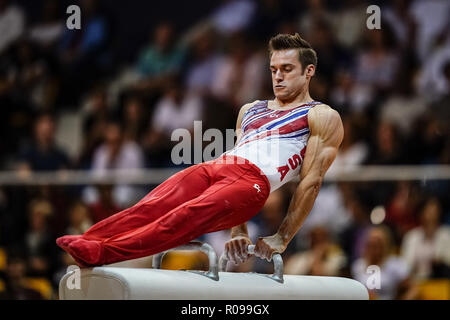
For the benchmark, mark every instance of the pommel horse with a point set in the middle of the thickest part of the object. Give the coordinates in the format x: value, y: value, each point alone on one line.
x: 125, y: 283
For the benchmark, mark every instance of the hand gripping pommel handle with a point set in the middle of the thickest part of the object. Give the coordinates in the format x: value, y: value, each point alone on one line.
x: 277, y: 264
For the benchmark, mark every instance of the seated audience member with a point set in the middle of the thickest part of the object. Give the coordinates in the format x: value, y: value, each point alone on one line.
x: 392, y: 281
x: 39, y: 239
x: 43, y: 154
x: 426, y: 248
x: 324, y: 258
x: 104, y: 206
x: 79, y: 219
x: 15, y: 282
x: 116, y: 153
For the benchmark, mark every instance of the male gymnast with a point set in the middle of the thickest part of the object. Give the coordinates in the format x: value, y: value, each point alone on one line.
x: 277, y: 140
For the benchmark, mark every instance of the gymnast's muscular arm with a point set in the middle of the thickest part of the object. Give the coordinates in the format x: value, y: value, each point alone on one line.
x: 326, y: 134
x: 236, y: 248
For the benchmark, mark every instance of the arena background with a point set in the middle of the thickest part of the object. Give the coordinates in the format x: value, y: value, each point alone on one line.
x: 87, y: 115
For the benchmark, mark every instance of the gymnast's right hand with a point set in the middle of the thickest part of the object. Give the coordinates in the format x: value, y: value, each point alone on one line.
x: 236, y: 249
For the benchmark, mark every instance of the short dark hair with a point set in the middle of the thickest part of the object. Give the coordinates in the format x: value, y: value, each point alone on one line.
x: 306, y: 54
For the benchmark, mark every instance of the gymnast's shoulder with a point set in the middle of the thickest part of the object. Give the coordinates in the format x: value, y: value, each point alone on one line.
x: 326, y: 122
x: 247, y: 106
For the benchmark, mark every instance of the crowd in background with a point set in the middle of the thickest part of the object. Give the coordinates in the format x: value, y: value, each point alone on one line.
x: 69, y: 101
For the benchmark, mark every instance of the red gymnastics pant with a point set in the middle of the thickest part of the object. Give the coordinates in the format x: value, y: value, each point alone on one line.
x: 203, y: 198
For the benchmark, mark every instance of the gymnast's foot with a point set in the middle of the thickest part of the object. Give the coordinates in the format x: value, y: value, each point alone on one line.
x: 64, y: 241
x: 87, y: 253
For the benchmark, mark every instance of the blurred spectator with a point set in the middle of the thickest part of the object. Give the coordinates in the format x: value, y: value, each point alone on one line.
x: 22, y: 76
x: 426, y: 248
x: 350, y: 22
x: 353, y: 236
x: 79, y: 219
x: 329, y: 211
x: 440, y: 106
x: 434, y: 78
x: 400, y: 210
x: 176, y: 109
x: 162, y: 56
x: 65, y: 260
x: 241, y: 74
x: 316, y: 11
x: 388, y: 147
x: 37, y: 61
x: 43, y: 153
x: 332, y: 56
x: 323, y: 258
x: 233, y: 16
x: 16, y: 288
x: 50, y: 27
x: 404, y: 106
x: 431, y: 19
x: 3, y: 217
x: 84, y: 53
x: 12, y: 23
x: 268, y: 15
x: 205, y: 61
x: 378, y: 63
x: 353, y: 150
x: 350, y: 96
x: 397, y: 16
x: 105, y: 205
x: 116, y: 153
x: 95, y: 114
x: 394, y: 272
x: 34, y: 86
x: 81, y: 47
x: 134, y: 119
x: 39, y: 239
x: 320, y: 88
x: 428, y: 144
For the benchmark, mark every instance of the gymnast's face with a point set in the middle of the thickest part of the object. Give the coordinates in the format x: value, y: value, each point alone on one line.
x: 289, y: 78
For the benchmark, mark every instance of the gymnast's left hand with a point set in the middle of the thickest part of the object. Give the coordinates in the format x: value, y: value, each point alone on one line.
x: 267, y: 246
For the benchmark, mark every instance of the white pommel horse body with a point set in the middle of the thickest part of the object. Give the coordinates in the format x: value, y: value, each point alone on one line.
x: 123, y: 283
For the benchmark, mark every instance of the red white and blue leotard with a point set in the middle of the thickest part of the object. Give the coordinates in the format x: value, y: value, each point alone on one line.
x: 274, y: 140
